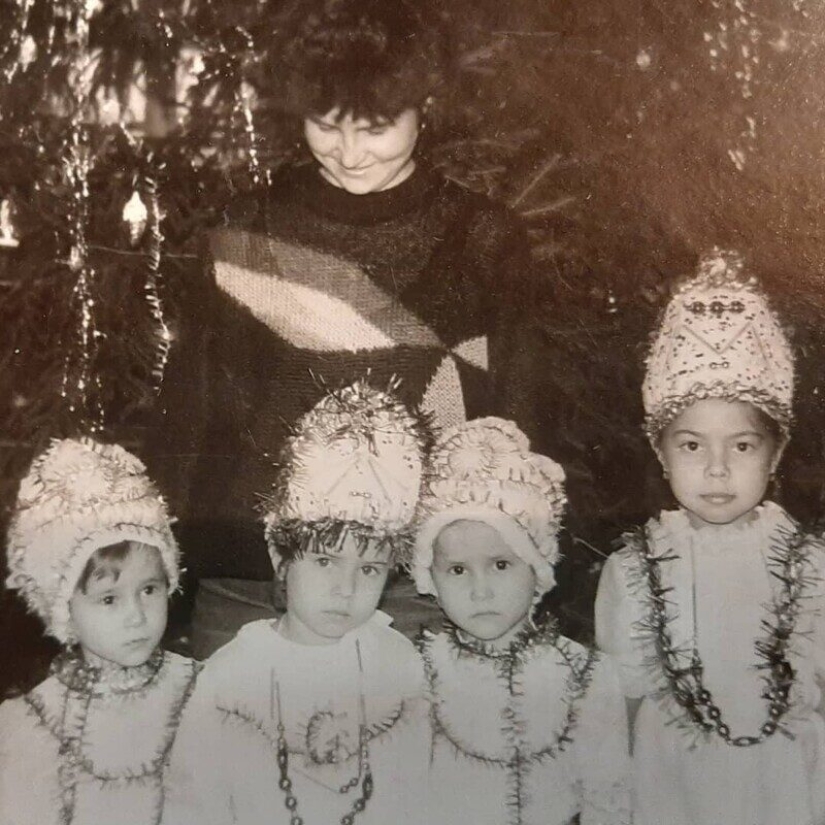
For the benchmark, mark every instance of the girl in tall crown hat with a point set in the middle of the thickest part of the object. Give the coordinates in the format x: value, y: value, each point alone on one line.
x: 91, y: 550
x: 715, y: 608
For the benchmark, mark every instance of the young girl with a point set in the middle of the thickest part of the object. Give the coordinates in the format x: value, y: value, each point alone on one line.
x: 715, y: 608
x: 526, y: 726
x: 311, y: 718
x: 91, y: 550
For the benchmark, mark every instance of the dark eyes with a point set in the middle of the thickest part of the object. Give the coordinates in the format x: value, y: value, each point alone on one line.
x: 460, y: 569
x: 369, y: 570
x: 107, y: 600
x: 695, y: 446
x: 322, y: 561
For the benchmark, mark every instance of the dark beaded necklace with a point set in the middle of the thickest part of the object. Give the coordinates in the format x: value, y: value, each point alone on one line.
x: 788, y: 565
x: 364, y: 774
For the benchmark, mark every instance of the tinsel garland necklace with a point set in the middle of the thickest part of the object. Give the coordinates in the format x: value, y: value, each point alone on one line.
x: 507, y: 662
x: 84, y: 681
x: 364, y: 768
x: 685, y: 683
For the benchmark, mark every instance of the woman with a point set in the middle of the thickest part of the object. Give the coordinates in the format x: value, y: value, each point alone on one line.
x: 363, y: 262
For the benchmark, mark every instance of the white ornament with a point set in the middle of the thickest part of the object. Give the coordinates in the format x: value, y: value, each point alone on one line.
x: 136, y: 215
x: 8, y: 238
x: 28, y: 51
x: 197, y: 66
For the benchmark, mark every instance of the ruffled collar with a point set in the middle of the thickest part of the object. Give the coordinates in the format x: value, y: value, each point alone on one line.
x: 73, y: 671
x: 674, y: 527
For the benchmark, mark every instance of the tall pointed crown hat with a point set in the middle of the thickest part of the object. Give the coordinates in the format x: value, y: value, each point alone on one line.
x: 483, y: 470
x: 79, y: 496
x: 354, y: 465
x: 718, y: 338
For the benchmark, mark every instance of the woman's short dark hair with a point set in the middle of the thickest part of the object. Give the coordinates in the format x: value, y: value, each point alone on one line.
x: 370, y: 59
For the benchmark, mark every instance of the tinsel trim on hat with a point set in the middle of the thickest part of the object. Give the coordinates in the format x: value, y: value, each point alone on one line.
x: 482, y: 470
x: 292, y: 538
x: 718, y: 338
x: 672, y: 407
x: 353, y: 466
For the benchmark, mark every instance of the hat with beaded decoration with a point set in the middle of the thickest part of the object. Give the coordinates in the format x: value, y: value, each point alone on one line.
x: 718, y: 338
x: 353, y: 465
x: 483, y: 470
x: 77, y: 497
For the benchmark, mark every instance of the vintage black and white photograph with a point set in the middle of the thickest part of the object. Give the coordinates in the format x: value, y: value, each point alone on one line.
x: 412, y: 412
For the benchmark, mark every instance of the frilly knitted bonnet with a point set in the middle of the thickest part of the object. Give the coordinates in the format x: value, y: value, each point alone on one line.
x: 483, y: 470
x: 718, y: 338
x: 353, y: 465
x: 79, y: 496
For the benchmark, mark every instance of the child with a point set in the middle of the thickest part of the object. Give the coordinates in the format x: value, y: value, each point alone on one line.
x: 311, y: 718
x: 527, y: 726
x: 712, y: 608
x: 91, y: 550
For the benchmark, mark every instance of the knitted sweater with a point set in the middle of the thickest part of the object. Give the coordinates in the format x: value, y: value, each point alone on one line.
x: 314, y: 287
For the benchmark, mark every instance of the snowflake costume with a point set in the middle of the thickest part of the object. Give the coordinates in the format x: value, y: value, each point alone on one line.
x: 718, y: 627
x: 281, y: 731
x: 90, y: 744
x: 534, y: 733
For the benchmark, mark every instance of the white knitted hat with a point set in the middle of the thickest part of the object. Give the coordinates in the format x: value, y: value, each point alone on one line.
x: 482, y: 470
x: 355, y: 462
x: 718, y: 339
x: 78, y: 496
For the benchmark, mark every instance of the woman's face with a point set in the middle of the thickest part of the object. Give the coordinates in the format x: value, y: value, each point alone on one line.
x: 361, y: 155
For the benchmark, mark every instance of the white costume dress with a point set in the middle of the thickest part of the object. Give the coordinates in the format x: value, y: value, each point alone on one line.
x: 722, y: 590
x: 225, y: 764
x: 496, y: 720
x: 74, y: 752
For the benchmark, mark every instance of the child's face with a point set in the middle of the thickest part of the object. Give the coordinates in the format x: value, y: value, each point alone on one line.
x: 483, y: 587
x: 121, y: 619
x: 329, y: 594
x: 720, y: 457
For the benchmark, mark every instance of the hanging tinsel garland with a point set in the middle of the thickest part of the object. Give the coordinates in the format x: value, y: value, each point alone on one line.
x: 79, y: 376
x: 144, y: 224
x: 19, y: 49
